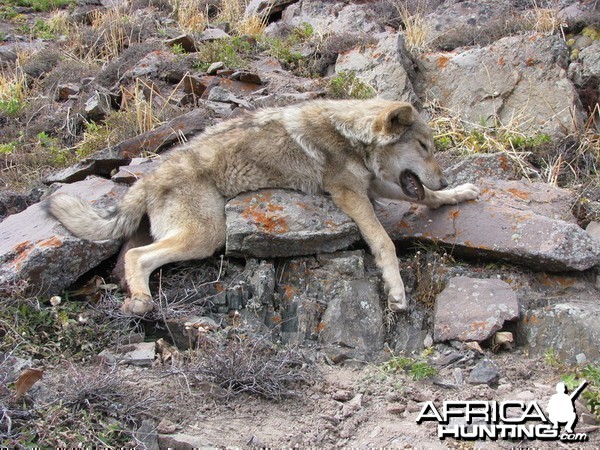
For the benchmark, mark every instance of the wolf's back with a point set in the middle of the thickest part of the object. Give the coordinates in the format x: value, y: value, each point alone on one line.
x: 88, y: 222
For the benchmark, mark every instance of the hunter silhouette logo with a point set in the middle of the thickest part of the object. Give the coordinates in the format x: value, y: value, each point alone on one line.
x: 481, y: 420
x: 561, y: 408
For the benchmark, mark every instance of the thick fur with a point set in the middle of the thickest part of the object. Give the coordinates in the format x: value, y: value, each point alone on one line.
x: 353, y: 149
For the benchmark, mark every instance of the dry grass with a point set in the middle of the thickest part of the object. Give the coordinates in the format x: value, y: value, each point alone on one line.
x: 544, y: 20
x: 191, y: 17
x: 13, y: 90
x: 416, y: 29
x: 251, y: 26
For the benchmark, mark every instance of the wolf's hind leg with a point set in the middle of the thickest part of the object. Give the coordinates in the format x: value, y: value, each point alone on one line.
x: 186, y: 227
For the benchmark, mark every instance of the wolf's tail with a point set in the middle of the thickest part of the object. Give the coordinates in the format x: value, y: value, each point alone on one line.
x: 88, y: 222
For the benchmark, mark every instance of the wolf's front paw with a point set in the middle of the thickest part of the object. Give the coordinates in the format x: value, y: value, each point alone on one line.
x: 465, y: 192
x: 398, y: 302
x: 137, y: 305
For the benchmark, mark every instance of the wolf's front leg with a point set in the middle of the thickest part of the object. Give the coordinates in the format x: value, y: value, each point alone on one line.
x: 461, y: 193
x: 359, y: 208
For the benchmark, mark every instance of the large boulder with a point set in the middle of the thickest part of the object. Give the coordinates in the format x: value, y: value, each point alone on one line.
x: 279, y: 223
x: 520, y: 81
x: 334, y: 299
x: 471, y: 309
x: 384, y: 66
x: 516, y: 221
x: 39, y: 255
x: 570, y: 330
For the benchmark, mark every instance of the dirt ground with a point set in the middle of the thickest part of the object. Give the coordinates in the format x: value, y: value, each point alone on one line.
x: 347, y: 407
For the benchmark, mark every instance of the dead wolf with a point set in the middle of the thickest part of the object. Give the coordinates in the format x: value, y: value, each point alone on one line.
x: 354, y: 150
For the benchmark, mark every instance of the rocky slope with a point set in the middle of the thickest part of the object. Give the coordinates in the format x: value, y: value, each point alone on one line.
x: 496, y: 286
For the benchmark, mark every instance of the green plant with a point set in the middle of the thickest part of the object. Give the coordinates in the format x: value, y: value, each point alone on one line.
x: 7, y: 148
x: 347, y: 85
x: 234, y: 52
x: 591, y: 394
x: 416, y: 368
x: 43, y: 5
x: 178, y: 49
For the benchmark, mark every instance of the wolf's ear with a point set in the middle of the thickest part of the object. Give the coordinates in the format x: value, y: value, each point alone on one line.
x: 393, y: 119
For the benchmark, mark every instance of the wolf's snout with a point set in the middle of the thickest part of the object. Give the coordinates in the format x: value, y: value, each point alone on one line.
x: 443, y: 183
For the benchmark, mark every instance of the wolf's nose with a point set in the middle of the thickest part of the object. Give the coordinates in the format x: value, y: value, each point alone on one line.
x: 443, y: 183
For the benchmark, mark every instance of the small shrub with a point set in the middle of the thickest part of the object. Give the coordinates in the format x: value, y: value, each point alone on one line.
x: 234, y: 52
x: 252, y: 366
x: 416, y: 368
x: 347, y: 85
x: 13, y: 91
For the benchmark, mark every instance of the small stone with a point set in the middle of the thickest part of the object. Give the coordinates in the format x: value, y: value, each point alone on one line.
x: 485, y: 372
x: 342, y: 395
x: 98, y: 106
x: 396, y: 408
x: 353, y: 406
x: 67, y: 91
x: 212, y: 69
x: 526, y: 395
x: 581, y: 359
x: 186, y: 42
x: 458, y: 375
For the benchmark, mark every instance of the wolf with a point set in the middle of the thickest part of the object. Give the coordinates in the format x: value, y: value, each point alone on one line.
x: 353, y: 150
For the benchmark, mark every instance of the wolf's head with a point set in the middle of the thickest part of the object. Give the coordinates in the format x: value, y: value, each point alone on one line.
x: 404, y: 151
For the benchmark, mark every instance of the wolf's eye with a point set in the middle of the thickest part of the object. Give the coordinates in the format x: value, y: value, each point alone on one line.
x: 423, y: 146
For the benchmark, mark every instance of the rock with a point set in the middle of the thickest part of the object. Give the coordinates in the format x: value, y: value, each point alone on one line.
x: 275, y: 223
x: 568, y: 328
x: 67, y: 91
x: 185, y: 41
x: 485, y: 372
x: 212, y: 69
x: 147, y: 435
x: 182, y: 441
x: 266, y: 8
x: 213, y: 34
x: 334, y: 299
x: 593, y: 229
x: 396, y: 408
x: 474, y: 168
x: 520, y: 77
x: 154, y: 141
x: 353, y: 317
x: 150, y: 65
x: 590, y: 61
x: 246, y: 77
x: 14, y: 202
x: 131, y: 173
x: 141, y: 354
x: 352, y: 407
x: 184, y: 331
x: 39, y: 255
x: 516, y: 221
x: 471, y: 309
x: 457, y: 24
x: 219, y: 94
x: 98, y: 106
x: 411, y: 330
x: 383, y: 66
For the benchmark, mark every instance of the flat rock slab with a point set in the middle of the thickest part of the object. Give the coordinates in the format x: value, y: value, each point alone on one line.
x: 472, y: 309
x: 279, y: 223
x: 154, y: 141
x: 516, y: 221
x: 39, y: 255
